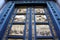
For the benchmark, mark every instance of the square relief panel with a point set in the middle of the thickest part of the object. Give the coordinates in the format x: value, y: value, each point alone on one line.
x: 39, y: 10
x: 20, y: 18
x: 41, y: 18
x: 43, y: 30
x: 21, y: 10
x: 17, y: 30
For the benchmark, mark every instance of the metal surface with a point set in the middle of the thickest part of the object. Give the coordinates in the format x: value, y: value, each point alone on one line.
x: 5, y: 18
x: 30, y: 22
x: 55, y: 13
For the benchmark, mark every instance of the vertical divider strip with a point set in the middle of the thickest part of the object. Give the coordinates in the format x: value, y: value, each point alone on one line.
x: 49, y: 22
x: 30, y: 25
x: 25, y: 24
x: 11, y: 24
x: 34, y: 26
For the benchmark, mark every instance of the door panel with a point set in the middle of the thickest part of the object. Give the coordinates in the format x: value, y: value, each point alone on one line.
x: 31, y: 23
